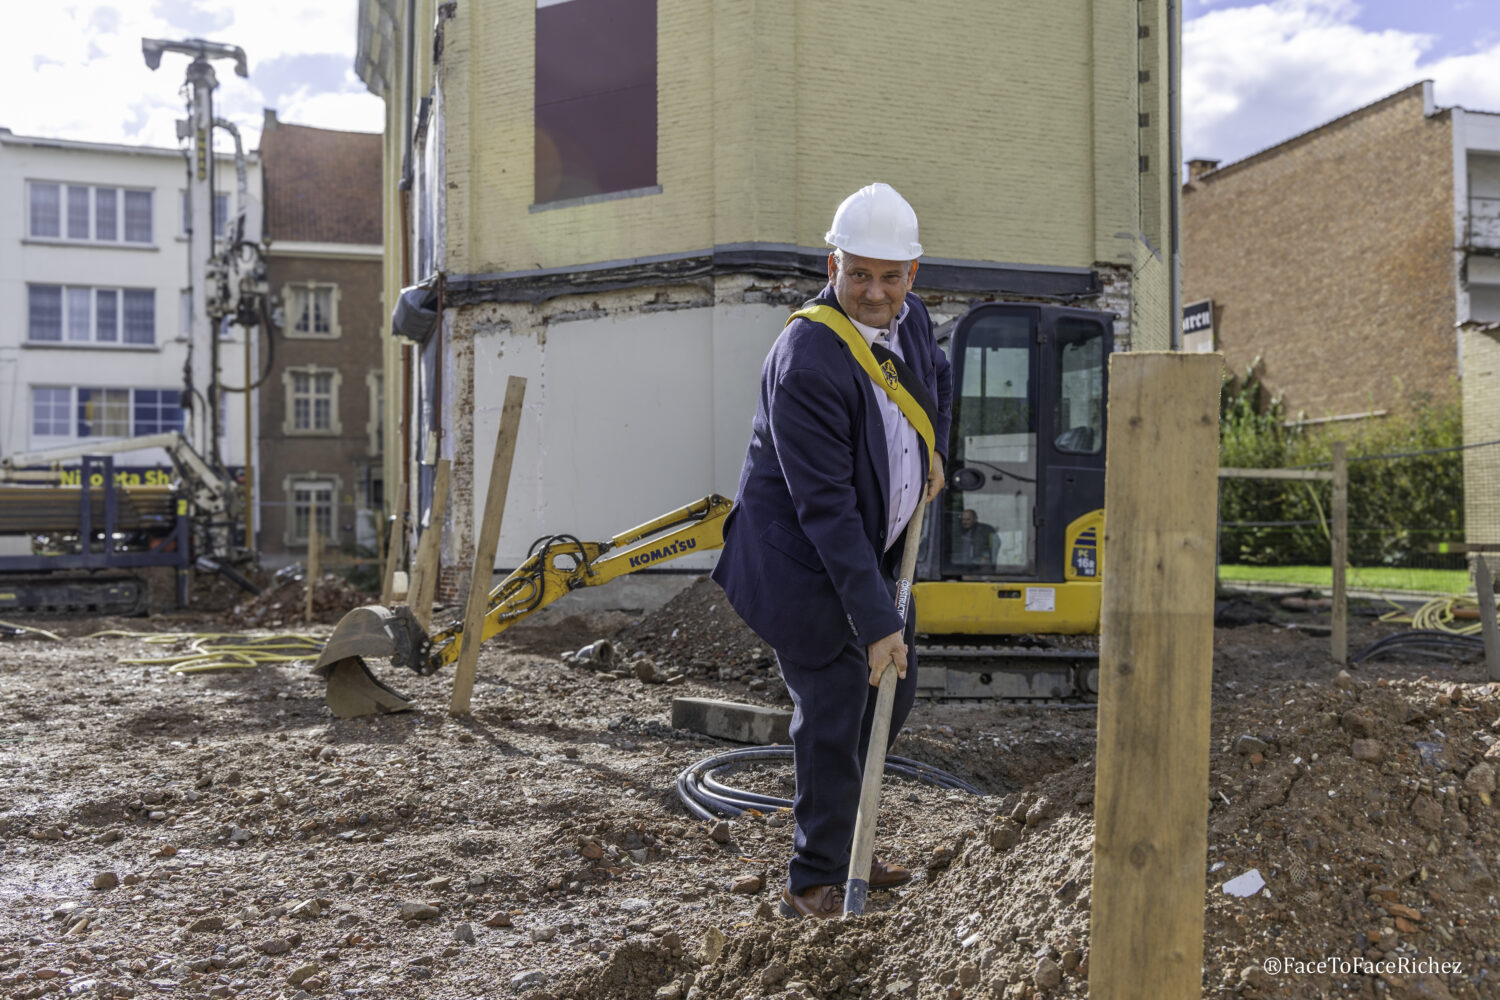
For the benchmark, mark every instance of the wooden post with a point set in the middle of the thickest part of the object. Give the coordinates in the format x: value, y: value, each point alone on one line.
x: 393, y: 540
x: 313, y: 541
x: 1156, y: 664
x: 489, y: 539
x: 428, y: 565
x: 1340, y: 620
x: 1484, y: 589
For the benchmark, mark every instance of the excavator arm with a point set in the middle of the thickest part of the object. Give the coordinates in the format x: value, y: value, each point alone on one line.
x: 556, y: 566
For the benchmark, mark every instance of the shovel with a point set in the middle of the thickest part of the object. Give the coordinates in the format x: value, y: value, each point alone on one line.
x: 857, y: 889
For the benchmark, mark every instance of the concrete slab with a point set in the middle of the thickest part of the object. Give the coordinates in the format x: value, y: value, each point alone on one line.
x: 730, y: 720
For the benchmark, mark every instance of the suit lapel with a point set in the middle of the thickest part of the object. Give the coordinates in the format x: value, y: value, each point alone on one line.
x: 874, y: 432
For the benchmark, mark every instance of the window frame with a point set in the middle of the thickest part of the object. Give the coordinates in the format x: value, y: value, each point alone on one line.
x: 291, y: 537
x: 375, y: 425
x: 72, y: 404
x: 93, y: 340
x: 92, y: 221
x: 292, y: 300
x: 289, y: 397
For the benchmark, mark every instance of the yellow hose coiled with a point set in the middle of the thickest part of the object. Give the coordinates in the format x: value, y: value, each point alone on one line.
x: 207, y: 650
x: 1438, y: 615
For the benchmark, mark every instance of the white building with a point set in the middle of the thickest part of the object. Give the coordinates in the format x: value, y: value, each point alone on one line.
x: 94, y: 314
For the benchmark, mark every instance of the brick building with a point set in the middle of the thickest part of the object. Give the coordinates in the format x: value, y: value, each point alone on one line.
x: 1360, y: 261
x: 320, y: 402
x: 1330, y: 257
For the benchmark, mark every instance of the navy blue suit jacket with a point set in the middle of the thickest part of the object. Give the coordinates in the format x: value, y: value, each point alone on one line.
x: 804, y: 547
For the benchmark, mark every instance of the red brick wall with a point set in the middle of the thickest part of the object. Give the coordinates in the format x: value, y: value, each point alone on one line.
x: 355, y: 352
x: 1330, y: 257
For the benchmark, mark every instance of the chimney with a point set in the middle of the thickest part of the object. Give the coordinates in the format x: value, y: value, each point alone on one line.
x: 270, y: 121
x: 1197, y: 168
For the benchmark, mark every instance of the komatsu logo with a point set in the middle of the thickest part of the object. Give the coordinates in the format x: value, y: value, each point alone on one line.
x: 891, y: 378
x: 665, y: 552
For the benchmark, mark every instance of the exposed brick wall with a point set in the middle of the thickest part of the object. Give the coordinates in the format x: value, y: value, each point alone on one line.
x: 1330, y: 257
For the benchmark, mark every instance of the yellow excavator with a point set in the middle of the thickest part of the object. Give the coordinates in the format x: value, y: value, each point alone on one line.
x: 1011, y: 558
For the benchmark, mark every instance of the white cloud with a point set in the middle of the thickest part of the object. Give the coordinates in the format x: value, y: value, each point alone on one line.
x: 81, y: 75
x: 1254, y: 76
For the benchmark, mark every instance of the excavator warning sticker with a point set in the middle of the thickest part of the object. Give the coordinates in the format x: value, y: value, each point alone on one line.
x: 1041, y: 599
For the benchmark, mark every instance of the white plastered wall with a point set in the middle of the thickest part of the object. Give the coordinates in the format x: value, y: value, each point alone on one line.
x: 627, y: 417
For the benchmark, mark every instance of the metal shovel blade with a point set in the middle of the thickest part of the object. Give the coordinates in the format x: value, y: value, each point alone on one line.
x: 352, y: 690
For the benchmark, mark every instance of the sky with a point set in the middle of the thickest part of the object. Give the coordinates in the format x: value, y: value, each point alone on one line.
x: 73, y: 69
x: 1255, y: 72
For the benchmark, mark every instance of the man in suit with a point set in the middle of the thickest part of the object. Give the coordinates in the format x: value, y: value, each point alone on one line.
x: 834, y: 470
x: 975, y: 542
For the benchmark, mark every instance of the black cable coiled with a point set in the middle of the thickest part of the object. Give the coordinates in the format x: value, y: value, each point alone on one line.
x: 708, y: 798
x: 1422, y: 638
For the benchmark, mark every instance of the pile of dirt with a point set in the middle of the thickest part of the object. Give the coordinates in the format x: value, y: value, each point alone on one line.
x: 698, y: 634
x: 284, y: 602
x: 1367, y: 805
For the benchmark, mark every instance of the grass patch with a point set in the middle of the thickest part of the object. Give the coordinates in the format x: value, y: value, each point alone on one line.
x: 1443, y: 581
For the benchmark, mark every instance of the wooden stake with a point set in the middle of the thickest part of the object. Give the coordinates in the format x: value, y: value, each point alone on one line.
x: 1156, y: 664
x: 313, y: 541
x: 1484, y: 588
x: 428, y: 565
x: 393, y: 541
x: 489, y: 539
x: 1339, y: 641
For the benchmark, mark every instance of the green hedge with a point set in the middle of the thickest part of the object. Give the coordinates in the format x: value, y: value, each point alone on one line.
x: 1397, y: 506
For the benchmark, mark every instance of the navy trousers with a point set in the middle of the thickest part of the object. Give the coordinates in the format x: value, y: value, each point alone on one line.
x: 833, y: 711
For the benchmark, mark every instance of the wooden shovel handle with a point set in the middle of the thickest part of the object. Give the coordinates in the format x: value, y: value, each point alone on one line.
x: 858, y: 886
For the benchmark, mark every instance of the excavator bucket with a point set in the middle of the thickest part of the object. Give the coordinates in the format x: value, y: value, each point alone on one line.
x: 371, y: 631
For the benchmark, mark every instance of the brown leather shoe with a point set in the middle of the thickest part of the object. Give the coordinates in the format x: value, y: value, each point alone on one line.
x: 884, y: 876
x: 820, y: 902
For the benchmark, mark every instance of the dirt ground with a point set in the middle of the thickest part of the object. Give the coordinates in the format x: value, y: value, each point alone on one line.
x: 221, y: 835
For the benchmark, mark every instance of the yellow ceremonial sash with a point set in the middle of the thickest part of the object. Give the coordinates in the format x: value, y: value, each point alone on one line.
x: 884, y: 377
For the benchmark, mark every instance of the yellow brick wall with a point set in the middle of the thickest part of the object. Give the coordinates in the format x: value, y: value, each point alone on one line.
x: 1330, y: 257
x: 1481, y: 403
x: 1011, y: 128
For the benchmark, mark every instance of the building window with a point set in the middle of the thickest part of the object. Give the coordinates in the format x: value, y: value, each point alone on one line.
x: 140, y: 316
x: 312, y: 396
x: 375, y: 426
x: 50, y: 412
x: 90, y: 411
x: 46, y: 210
x: 157, y: 411
x: 106, y: 214
x: 595, y: 97
x: 221, y: 213
x: 310, y: 498
x: 44, y: 312
x: 103, y: 413
x: 78, y: 213
x: 91, y: 315
x: 312, y: 310
x: 82, y: 213
x: 138, y: 217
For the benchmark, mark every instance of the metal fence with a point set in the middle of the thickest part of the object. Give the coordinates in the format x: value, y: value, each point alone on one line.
x: 1408, y: 515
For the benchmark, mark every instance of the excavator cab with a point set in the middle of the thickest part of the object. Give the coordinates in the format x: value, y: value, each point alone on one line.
x: 1014, y: 546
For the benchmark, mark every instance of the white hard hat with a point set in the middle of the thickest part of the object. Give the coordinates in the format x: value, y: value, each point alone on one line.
x: 876, y: 222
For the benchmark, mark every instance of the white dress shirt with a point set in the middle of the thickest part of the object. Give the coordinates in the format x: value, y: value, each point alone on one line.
x: 903, y: 446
